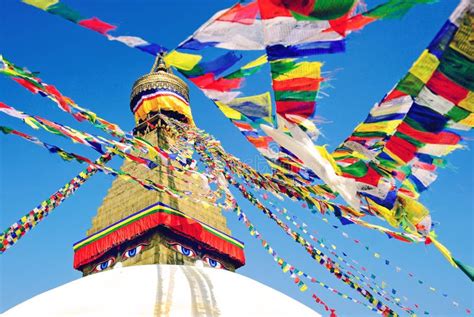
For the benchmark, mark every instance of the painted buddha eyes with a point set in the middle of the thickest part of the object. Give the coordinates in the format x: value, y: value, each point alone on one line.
x: 104, y: 265
x: 212, y: 263
x: 190, y: 253
x: 130, y: 253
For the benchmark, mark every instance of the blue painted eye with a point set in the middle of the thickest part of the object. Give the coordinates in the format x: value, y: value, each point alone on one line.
x: 190, y: 253
x: 213, y: 263
x: 104, y: 265
x: 130, y: 253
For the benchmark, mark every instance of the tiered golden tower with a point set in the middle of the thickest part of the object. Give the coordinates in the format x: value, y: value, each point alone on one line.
x: 159, y: 92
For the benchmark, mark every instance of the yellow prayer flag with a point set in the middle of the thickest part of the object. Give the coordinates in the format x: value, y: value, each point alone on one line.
x: 41, y: 4
x: 444, y: 251
x: 425, y: 66
x: 462, y: 41
x: 303, y: 287
x: 303, y: 69
x: 387, y: 214
x: 385, y: 126
x: 468, y: 102
x: 257, y: 62
x: 469, y: 121
x: 31, y: 122
x: 414, y: 211
x: 229, y: 112
x: 325, y: 154
x: 182, y: 61
x: 259, y: 106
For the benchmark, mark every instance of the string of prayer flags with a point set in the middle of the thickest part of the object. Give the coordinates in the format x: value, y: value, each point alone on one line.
x: 406, y: 237
x: 295, y: 86
x: 388, y: 10
x: 34, y: 84
x: 345, y: 214
x: 287, y: 29
x: 346, y: 219
x: 364, y: 280
x: 235, y: 28
x: 238, y: 28
x: 288, y: 268
x: 282, y: 30
x: 95, y: 24
x: 298, y: 29
x: 250, y: 129
x: 402, y: 141
x: 286, y: 36
x: 145, y: 183
x: 303, y: 228
x: 388, y: 262
x: 13, y: 233
x: 315, y: 253
x: 97, y: 143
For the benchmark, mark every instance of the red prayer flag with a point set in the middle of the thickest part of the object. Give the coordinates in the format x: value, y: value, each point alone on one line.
x: 260, y: 142
x: 25, y: 83
x: 97, y: 25
x: 269, y: 9
x: 401, y: 148
x: 303, y: 109
x: 241, y: 14
x: 446, y: 88
x: 304, y: 7
x: 394, y: 94
x: 60, y: 98
x: 297, y: 84
x: 243, y: 125
x: 430, y: 137
x: 208, y: 81
x: 371, y: 177
x: 343, y: 24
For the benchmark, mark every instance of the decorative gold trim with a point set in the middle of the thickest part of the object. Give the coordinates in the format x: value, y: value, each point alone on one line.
x: 163, y: 80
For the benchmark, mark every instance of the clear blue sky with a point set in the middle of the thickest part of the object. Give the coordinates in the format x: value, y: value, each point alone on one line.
x: 98, y: 75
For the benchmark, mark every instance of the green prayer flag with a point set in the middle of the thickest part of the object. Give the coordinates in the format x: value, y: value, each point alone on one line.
x: 295, y: 95
x: 468, y: 270
x: 458, y: 68
x: 358, y: 169
x: 457, y: 114
x: 410, y: 84
x: 65, y: 12
x: 394, y: 9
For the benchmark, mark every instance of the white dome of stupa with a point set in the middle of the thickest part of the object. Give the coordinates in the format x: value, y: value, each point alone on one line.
x: 162, y: 290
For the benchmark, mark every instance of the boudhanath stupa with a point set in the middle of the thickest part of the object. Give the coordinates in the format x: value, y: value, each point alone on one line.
x: 149, y: 254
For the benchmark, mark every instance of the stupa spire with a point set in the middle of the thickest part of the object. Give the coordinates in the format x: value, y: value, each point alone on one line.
x: 160, y: 65
x: 135, y: 226
x: 159, y: 92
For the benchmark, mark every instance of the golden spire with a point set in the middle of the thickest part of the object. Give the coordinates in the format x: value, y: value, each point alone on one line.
x: 159, y: 65
x: 160, y: 77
